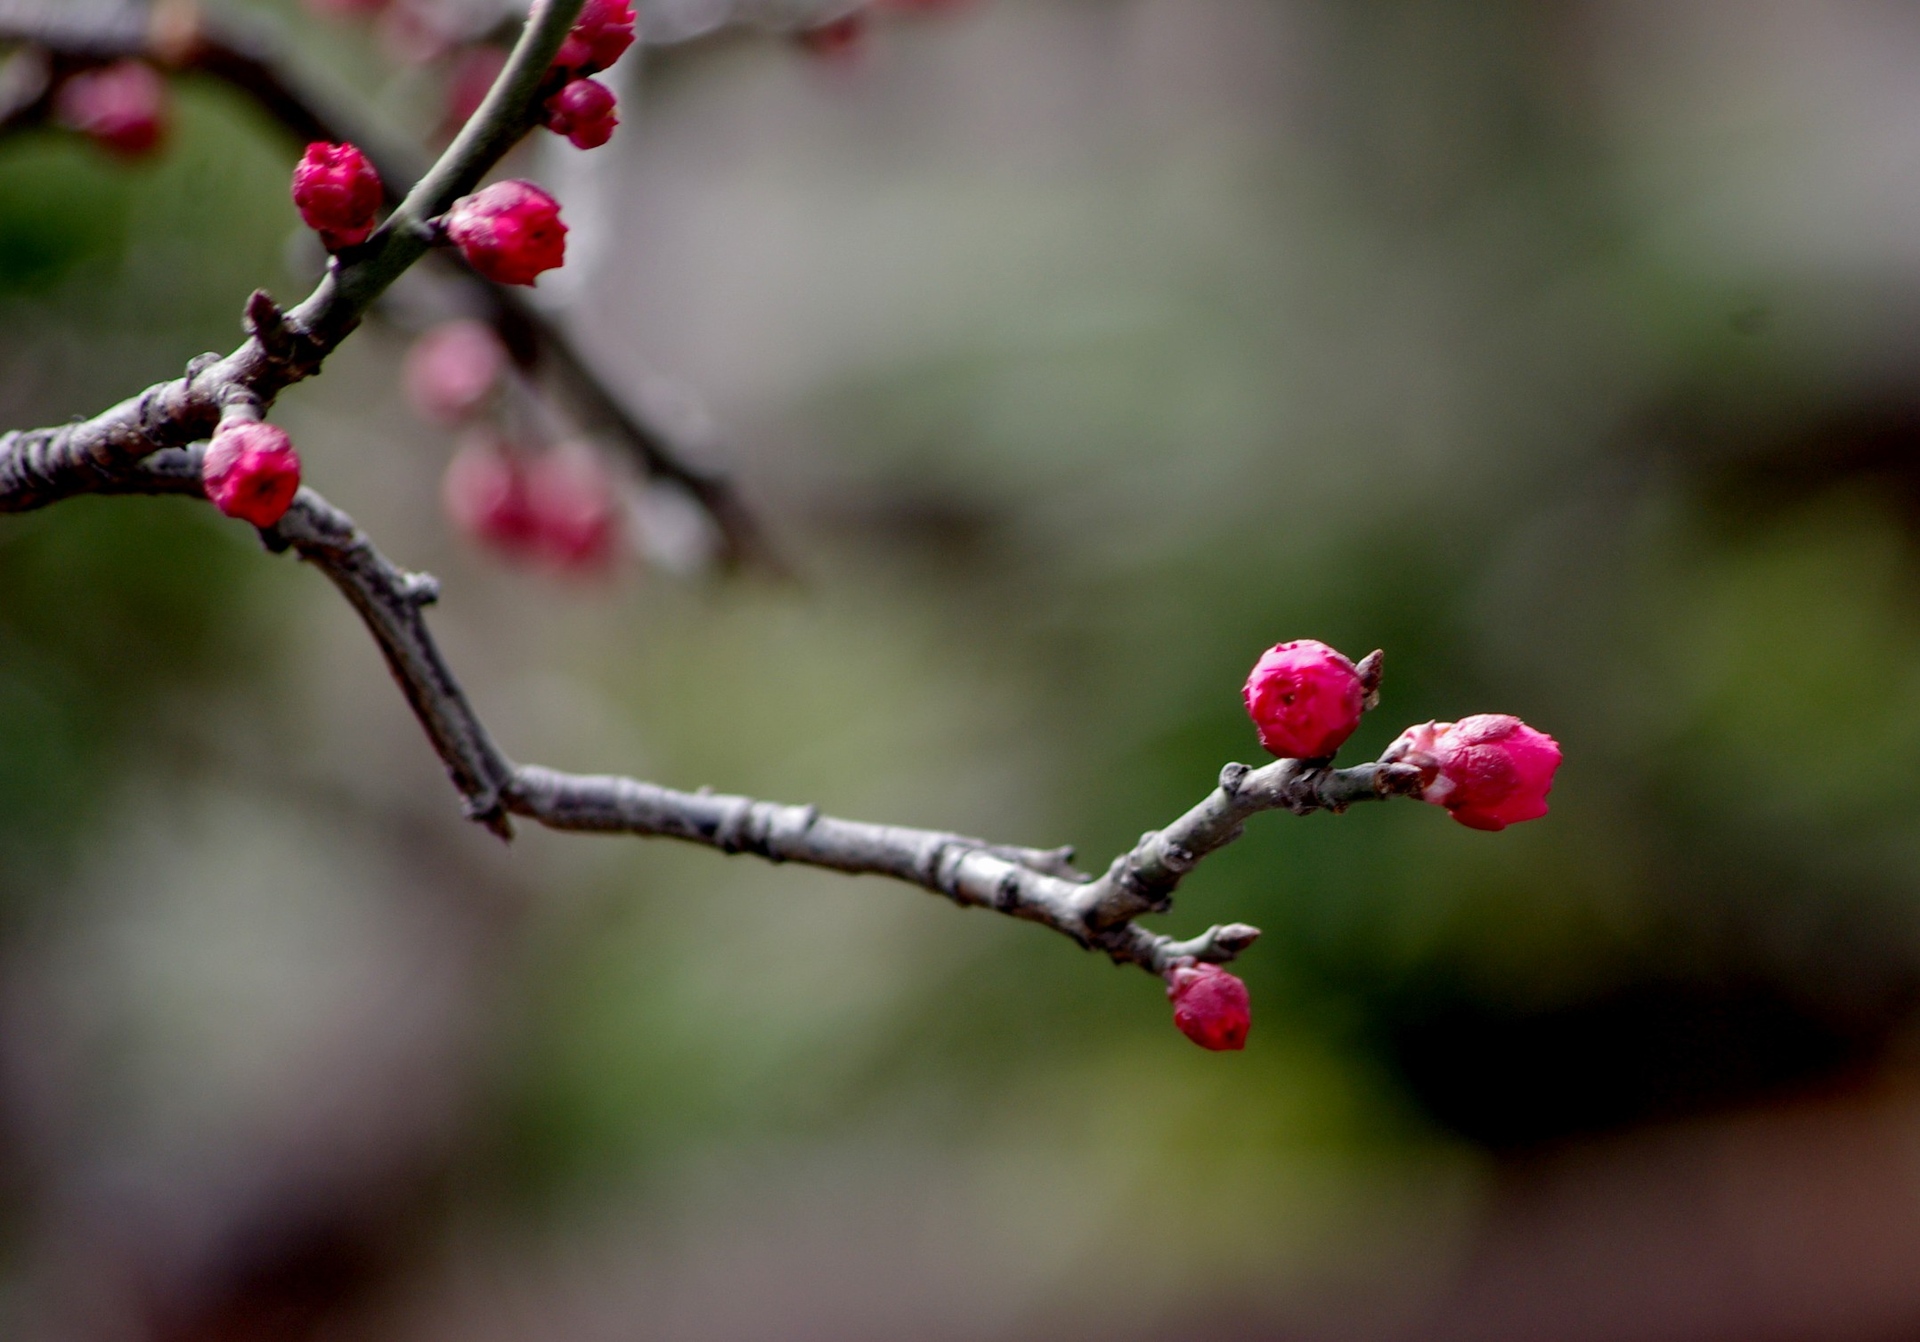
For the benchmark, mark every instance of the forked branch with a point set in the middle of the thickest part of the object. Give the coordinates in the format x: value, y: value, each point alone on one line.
x: 1039, y: 885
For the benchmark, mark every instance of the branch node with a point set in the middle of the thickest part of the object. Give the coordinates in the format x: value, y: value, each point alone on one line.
x: 265, y: 322
x: 420, y: 589
x: 1232, y: 777
x: 200, y: 363
x: 1006, y: 892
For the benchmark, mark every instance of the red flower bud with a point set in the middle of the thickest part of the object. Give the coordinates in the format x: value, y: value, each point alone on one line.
x: 1305, y: 698
x: 509, y: 232
x: 600, y: 36
x: 583, y: 112
x: 452, y: 369
x: 1490, y: 770
x: 485, y: 495
x: 575, y: 509
x: 251, y: 471
x: 122, y: 106
x: 1210, y: 1006
x: 338, y: 193
x: 843, y: 39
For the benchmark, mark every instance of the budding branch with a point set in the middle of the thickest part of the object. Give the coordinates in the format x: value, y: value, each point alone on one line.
x: 248, y: 57
x: 145, y: 446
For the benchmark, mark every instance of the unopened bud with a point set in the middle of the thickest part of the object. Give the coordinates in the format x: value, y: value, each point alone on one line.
x: 1305, y: 698
x: 251, y: 471
x: 1210, y: 1006
x: 509, y: 232
x: 1490, y: 770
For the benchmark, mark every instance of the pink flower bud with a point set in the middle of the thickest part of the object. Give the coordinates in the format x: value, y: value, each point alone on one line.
x: 600, y: 36
x: 484, y: 493
x: 843, y: 40
x: 452, y: 369
x: 1210, y: 1006
x: 1490, y: 770
x: 575, y: 509
x: 122, y: 106
x: 251, y: 471
x: 583, y: 112
x: 1305, y: 698
x: 338, y: 193
x: 509, y: 232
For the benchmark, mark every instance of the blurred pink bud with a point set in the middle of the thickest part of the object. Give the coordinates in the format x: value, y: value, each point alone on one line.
x: 251, y: 472
x: 600, y: 36
x: 1210, y: 1006
x: 575, y: 506
x: 583, y: 112
x: 484, y: 493
x: 842, y: 40
x: 1490, y: 770
x: 122, y: 106
x: 338, y: 194
x: 509, y: 232
x: 474, y: 71
x: 1305, y: 698
x: 452, y: 369
x: 336, y: 9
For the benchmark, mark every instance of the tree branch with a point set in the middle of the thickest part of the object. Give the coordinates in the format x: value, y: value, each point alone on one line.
x: 249, y: 57
x: 140, y: 446
x: 39, y: 465
x: 1039, y: 885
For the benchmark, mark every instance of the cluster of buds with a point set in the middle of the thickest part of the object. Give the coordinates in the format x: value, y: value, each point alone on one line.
x: 122, y: 107
x: 1489, y: 771
x: 558, y: 506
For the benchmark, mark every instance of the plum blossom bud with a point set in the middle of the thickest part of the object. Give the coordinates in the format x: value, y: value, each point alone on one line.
x: 338, y: 193
x: 1210, y: 1006
x: 122, y: 107
x: 251, y: 471
x: 452, y: 370
x: 1305, y: 698
x: 843, y: 39
x: 1490, y: 770
x: 509, y: 232
x: 600, y: 36
x: 484, y: 493
x: 583, y: 112
x: 575, y: 508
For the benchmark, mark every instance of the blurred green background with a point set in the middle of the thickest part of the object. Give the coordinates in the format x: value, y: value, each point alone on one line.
x: 1075, y: 351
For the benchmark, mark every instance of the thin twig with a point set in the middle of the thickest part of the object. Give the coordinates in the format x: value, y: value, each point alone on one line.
x: 1039, y: 885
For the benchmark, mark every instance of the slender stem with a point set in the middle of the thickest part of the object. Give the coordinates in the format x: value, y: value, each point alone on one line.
x: 1037, y: 885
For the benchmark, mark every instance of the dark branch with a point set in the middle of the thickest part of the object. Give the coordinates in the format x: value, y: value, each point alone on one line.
x: 1039, y: 885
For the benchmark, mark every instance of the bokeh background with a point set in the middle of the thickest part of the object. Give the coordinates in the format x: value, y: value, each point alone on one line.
x: 1073, y: 352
